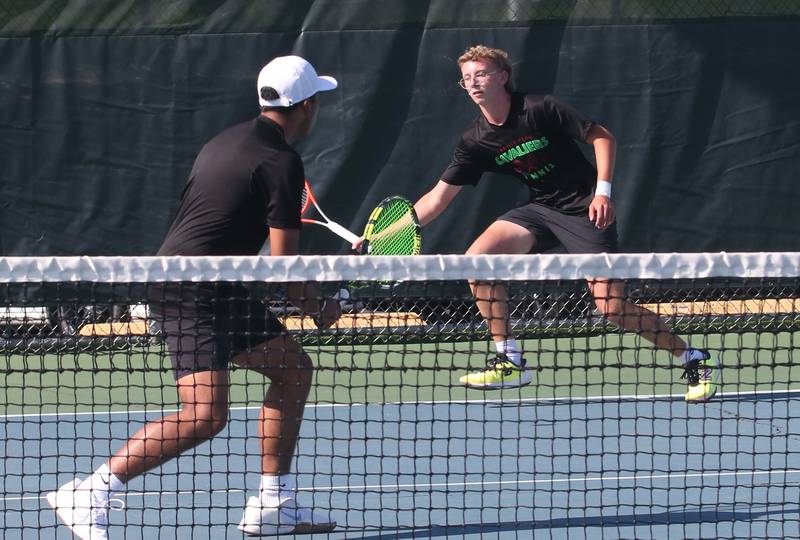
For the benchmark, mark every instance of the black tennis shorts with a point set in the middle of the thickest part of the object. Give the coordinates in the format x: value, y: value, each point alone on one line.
x: 553, y: 229
x: 204, y: 325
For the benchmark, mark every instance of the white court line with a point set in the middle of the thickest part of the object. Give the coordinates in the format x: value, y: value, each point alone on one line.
x: 586, y: 399
x: 138, y: 494
x: 497, y: 483
x: 553, y: 481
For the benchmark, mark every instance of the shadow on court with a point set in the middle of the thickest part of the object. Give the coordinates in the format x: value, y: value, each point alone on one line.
x: 675, y: 517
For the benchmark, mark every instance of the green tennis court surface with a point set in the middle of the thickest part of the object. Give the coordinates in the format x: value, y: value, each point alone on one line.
x: 608, y: 365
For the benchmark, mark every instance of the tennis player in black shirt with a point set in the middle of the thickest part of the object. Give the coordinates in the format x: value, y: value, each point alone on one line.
x: 535, y: 139
x: 245, y: 187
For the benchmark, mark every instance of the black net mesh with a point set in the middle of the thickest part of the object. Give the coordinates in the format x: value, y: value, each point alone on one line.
x: 599, y: 439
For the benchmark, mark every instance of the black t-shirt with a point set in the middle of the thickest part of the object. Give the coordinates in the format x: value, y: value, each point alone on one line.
x: 537, y: 145
x: 244, y: 180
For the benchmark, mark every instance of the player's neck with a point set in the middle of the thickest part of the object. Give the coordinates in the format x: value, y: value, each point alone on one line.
x: 288, y: 124
x: 496, y: 111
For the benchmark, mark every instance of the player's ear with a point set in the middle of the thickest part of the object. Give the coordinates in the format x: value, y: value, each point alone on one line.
x: 503, y: 77
x: 311, y: 102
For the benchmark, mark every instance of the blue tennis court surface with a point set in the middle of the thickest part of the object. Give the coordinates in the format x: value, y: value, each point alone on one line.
x: 635, y: 467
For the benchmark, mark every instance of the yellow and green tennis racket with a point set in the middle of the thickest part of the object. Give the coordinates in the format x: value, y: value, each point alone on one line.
x: 392, y: 229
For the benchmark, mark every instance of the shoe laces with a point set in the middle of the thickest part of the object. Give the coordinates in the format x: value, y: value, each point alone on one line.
x: 691, y: 373
x: 100, y: 509
x: 493, y: 364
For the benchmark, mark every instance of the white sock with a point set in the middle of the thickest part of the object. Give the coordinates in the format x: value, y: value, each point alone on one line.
x: 275, y: 490
x: 510, y: 349
x: 103, y: 483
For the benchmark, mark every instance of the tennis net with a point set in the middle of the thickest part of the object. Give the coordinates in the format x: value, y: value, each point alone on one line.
x: 395, y: 442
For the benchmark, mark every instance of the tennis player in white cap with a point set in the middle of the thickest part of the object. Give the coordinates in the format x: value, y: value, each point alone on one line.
x: 246, y: 177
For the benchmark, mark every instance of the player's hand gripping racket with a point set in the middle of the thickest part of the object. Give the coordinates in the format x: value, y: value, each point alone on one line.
x: 392, y: 229
x: 308, y: 199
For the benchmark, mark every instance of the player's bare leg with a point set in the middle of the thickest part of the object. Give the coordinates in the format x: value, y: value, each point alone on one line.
x: 203, y: 414
x: 701, y: 372
x: 290, y: 370
x: 275, y: 510
x: 83, y: 505
x: 609, y: 297
x: 507, y: 368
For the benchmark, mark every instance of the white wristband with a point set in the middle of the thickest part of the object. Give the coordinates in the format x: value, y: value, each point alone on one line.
x: 603, y: 188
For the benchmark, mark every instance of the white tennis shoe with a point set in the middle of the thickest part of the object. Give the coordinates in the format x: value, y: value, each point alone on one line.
x: 288, y: 518
x: 73, y: 504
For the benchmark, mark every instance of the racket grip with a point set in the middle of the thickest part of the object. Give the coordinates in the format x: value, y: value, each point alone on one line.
x: 344, y: 233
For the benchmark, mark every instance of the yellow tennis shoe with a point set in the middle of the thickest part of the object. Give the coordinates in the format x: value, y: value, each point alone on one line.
x: 703, y: 375
x: 500, y: 372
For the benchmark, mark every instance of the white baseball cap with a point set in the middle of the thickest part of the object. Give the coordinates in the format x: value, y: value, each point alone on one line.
x: 294, y: 79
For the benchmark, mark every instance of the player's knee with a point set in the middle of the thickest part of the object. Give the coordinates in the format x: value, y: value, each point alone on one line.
x: 303, y: 373
x: 483, y: 290
x: 612, y: 309
x: 206, y: 420
x: 217, y: 425
x: 297, y: 372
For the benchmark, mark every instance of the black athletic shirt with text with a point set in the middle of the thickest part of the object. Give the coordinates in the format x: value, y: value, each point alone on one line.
x: 244, y: 180
x: 537, y: 145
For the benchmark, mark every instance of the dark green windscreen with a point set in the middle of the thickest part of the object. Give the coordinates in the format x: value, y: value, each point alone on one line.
x: 98, y: 17
x: 104, y: 106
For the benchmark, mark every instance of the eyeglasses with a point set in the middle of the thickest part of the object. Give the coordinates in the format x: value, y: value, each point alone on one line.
x: 477, y: 76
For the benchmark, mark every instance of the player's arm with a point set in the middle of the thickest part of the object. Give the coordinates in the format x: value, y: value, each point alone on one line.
x: 433, y: 203
x: 430, y: 205
x: 282, y: 188
x: 601, y: 209
x: 306, y: 295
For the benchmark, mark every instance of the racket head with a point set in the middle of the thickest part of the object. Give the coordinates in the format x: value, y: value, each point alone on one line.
x: 393, y: 229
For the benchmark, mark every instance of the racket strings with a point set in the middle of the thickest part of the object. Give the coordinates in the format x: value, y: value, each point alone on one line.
x: 304, y: 200
x: 395, y: 231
